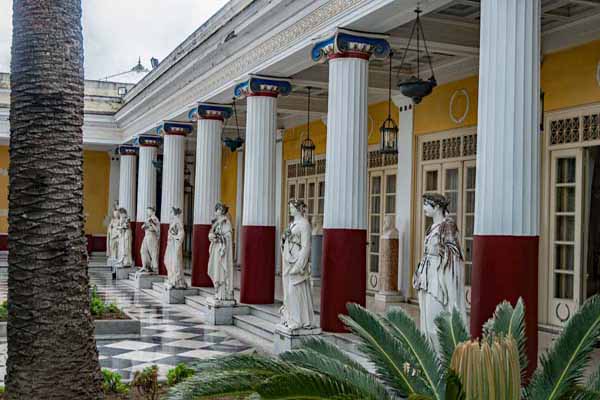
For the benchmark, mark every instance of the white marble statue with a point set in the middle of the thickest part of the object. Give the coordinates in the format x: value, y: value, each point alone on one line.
x: 220, y: 262
x: 112, y: 237
x: 439, y: 278
x: 123, y: 234
x: 149, y: 250
x: 297, y: 311
x: 174, y: 252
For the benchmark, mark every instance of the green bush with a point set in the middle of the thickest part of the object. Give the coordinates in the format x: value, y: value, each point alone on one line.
x: 4, y: 310
x: 178, y: 374
x: 145, y: 382
x: 98, y: 307
x: 112, y: 382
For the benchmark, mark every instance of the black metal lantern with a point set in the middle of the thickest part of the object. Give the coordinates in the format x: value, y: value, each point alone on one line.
x: 234, y: 143
x: 415, y: 87
x: 389, y: 129
x: 307, y: 148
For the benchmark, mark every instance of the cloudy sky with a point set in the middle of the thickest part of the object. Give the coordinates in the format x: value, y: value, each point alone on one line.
x: 116, y: 32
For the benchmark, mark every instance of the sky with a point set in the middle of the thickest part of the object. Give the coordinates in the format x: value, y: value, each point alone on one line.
x: 117, y: 32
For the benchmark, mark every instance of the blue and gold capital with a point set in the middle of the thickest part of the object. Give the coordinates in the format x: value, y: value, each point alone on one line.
x: 219, y: 112
x: 258, y: 85
x: 148, y: 141
x: 174, y: 128
x: 346, y: 43
x: 126, y: 150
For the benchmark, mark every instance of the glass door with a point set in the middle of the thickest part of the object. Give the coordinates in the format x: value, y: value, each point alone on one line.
x: 452, y: 184
x: 565, y: 234
x: 468, y: 223
x: 375, y: 217
x: 432, y: 177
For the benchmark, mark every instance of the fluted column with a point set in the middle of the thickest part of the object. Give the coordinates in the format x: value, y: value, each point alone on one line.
x: 258, y: 220
x: 146, y: 188
x: 127, y: 179
x: 207, y: 188
x: 173, y: 168
x: 345, y: 218
x: 505, y: 254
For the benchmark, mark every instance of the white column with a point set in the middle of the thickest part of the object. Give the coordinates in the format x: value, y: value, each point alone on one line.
x: 172, y: 175
x: 239, y: 202
x: 508, y: 140
x: 147, y: 180
x: 347, y: 147
x: 127, y: 180
x: 207, y: 190
x: 404, y: 190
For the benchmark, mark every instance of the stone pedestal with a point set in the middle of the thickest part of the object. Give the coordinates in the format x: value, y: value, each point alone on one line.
x: 123, y: 273
x: 144, y: 280
x: 315, y: 259
x: 221, y: 312
x: 388, y: 265
x: 177, y: 296
x: 286, y: 340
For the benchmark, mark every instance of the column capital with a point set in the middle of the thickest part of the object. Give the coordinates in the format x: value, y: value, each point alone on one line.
x: 218, y: 112
x: 258, y: 85
x: 346, y: 43
x: 148, y: 141
x: 174, y: 128
x: 126, y: 150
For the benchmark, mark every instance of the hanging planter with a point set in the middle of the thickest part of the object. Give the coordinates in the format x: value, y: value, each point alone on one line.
x: 415, y: 87
x: 236, y: 143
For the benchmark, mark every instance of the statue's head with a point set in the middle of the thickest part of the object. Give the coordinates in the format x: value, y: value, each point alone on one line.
x: 150, y: 211
x: 176, y: 211
x: 221, y: 209
x: 297, y: 207
x: 434, y: 202
x: 116, y: 212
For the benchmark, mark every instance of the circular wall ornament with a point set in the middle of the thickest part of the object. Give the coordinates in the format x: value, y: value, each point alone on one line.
x: 598, y: 73
x: 455, y: 96
x: 562, y: 312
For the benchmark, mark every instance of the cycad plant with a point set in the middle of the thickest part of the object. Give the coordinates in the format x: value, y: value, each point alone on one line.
x: 403, y: 363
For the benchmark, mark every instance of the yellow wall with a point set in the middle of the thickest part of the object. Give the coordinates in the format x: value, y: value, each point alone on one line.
x: 229, y: 180
x: 96, y: 175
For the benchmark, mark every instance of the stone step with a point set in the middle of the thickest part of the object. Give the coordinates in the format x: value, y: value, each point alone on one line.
x: 254, y: 325
x: 269, y: 313
x: 159, y: 287
x: 196, y: 302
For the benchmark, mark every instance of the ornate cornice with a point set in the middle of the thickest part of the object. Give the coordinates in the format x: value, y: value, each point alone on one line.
x: 351, y: 44
x: 174, y: 128
x: 258, y: 85
x: 219, y: 112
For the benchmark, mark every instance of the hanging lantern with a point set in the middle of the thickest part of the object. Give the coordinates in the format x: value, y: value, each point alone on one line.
x: 307, y: 148
x: 389, y: 129
x: 234, y: 143
x: 415, y: 87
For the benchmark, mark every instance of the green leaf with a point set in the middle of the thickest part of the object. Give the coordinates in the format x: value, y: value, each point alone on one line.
x: 337, y: 370
x: 454, y: 387
x: 562, y: 367
x: 508, y: 321
x: 451, y: 331
x: 383, y: 350
x: 424, y: 359
x: 329, y: 350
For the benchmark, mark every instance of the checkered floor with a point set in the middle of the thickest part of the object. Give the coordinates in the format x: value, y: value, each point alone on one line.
x: 171, y: 334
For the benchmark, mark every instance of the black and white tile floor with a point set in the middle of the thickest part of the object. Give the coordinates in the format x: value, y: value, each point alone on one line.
x: 170, y: 334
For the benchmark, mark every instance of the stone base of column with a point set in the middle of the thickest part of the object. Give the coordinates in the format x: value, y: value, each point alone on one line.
x: 258, y: 265
x: 221, y: 312
x: 123, y: 272
x: 344, y: 275
x: 506, y: 268
x: 200, y: 246
x: 144, y: 280
x: 138, y: 237
x: 164, y: 233
x: 286, y: 340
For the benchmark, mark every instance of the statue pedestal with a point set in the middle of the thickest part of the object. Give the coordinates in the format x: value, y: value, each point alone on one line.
x: 144, y: 280
x: 388, y: 268
x: 176, y: 296
x: 221, y: 312
x: 123, y: 272
x: 285, y: 339
x: 315, y: 259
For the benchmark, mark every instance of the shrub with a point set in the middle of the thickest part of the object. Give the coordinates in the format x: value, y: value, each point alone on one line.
x: 145, y: 382
x: 112, y: 382
x: 178, y: 374
x: 98, y: 307
x: 4, y: 311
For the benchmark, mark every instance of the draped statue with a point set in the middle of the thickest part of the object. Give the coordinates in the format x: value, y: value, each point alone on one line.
x: 439, y: 278
x: 220, y: 262
x: 124, y: 236
x: 112, y: 237
x: 174, y: 252
x: 149, y: 250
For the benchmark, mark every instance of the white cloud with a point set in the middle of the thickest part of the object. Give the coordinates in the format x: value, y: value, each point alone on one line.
x: 117, y: 32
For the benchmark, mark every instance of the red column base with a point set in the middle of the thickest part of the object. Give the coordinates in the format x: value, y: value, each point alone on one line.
x: 258, y: 265
x: 138, y: 237
x: 164, y: 232
x: 344, y: 276
x: 506, y: 268
x: 200, y: 247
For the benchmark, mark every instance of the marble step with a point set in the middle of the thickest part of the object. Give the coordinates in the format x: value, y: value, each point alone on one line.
x: 269, y: 312
x: 196, y: 302
x: 255, y: 325
x: 159, y: 287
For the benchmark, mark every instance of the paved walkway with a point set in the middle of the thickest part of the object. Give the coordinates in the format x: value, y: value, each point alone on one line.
x: 170, y: 334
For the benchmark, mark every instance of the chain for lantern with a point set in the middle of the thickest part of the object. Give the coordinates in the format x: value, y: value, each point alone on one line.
x: 415, y: 87
x: 389, y: 130
x: 236, y: 143
x: 307, y: 148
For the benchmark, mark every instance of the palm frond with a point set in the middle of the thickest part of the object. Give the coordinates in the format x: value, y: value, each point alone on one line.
x: 383, y: 350
x: 508, y: 321
x: 331, y: 351
x: 562, y: 367
x: 360, y: 378
x: 451, y: 331
x: 454, y: 387
x: 425, y: 361
x: 591, y: 391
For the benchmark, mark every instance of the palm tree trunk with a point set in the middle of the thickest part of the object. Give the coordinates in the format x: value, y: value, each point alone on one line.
x: 51, y: 348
